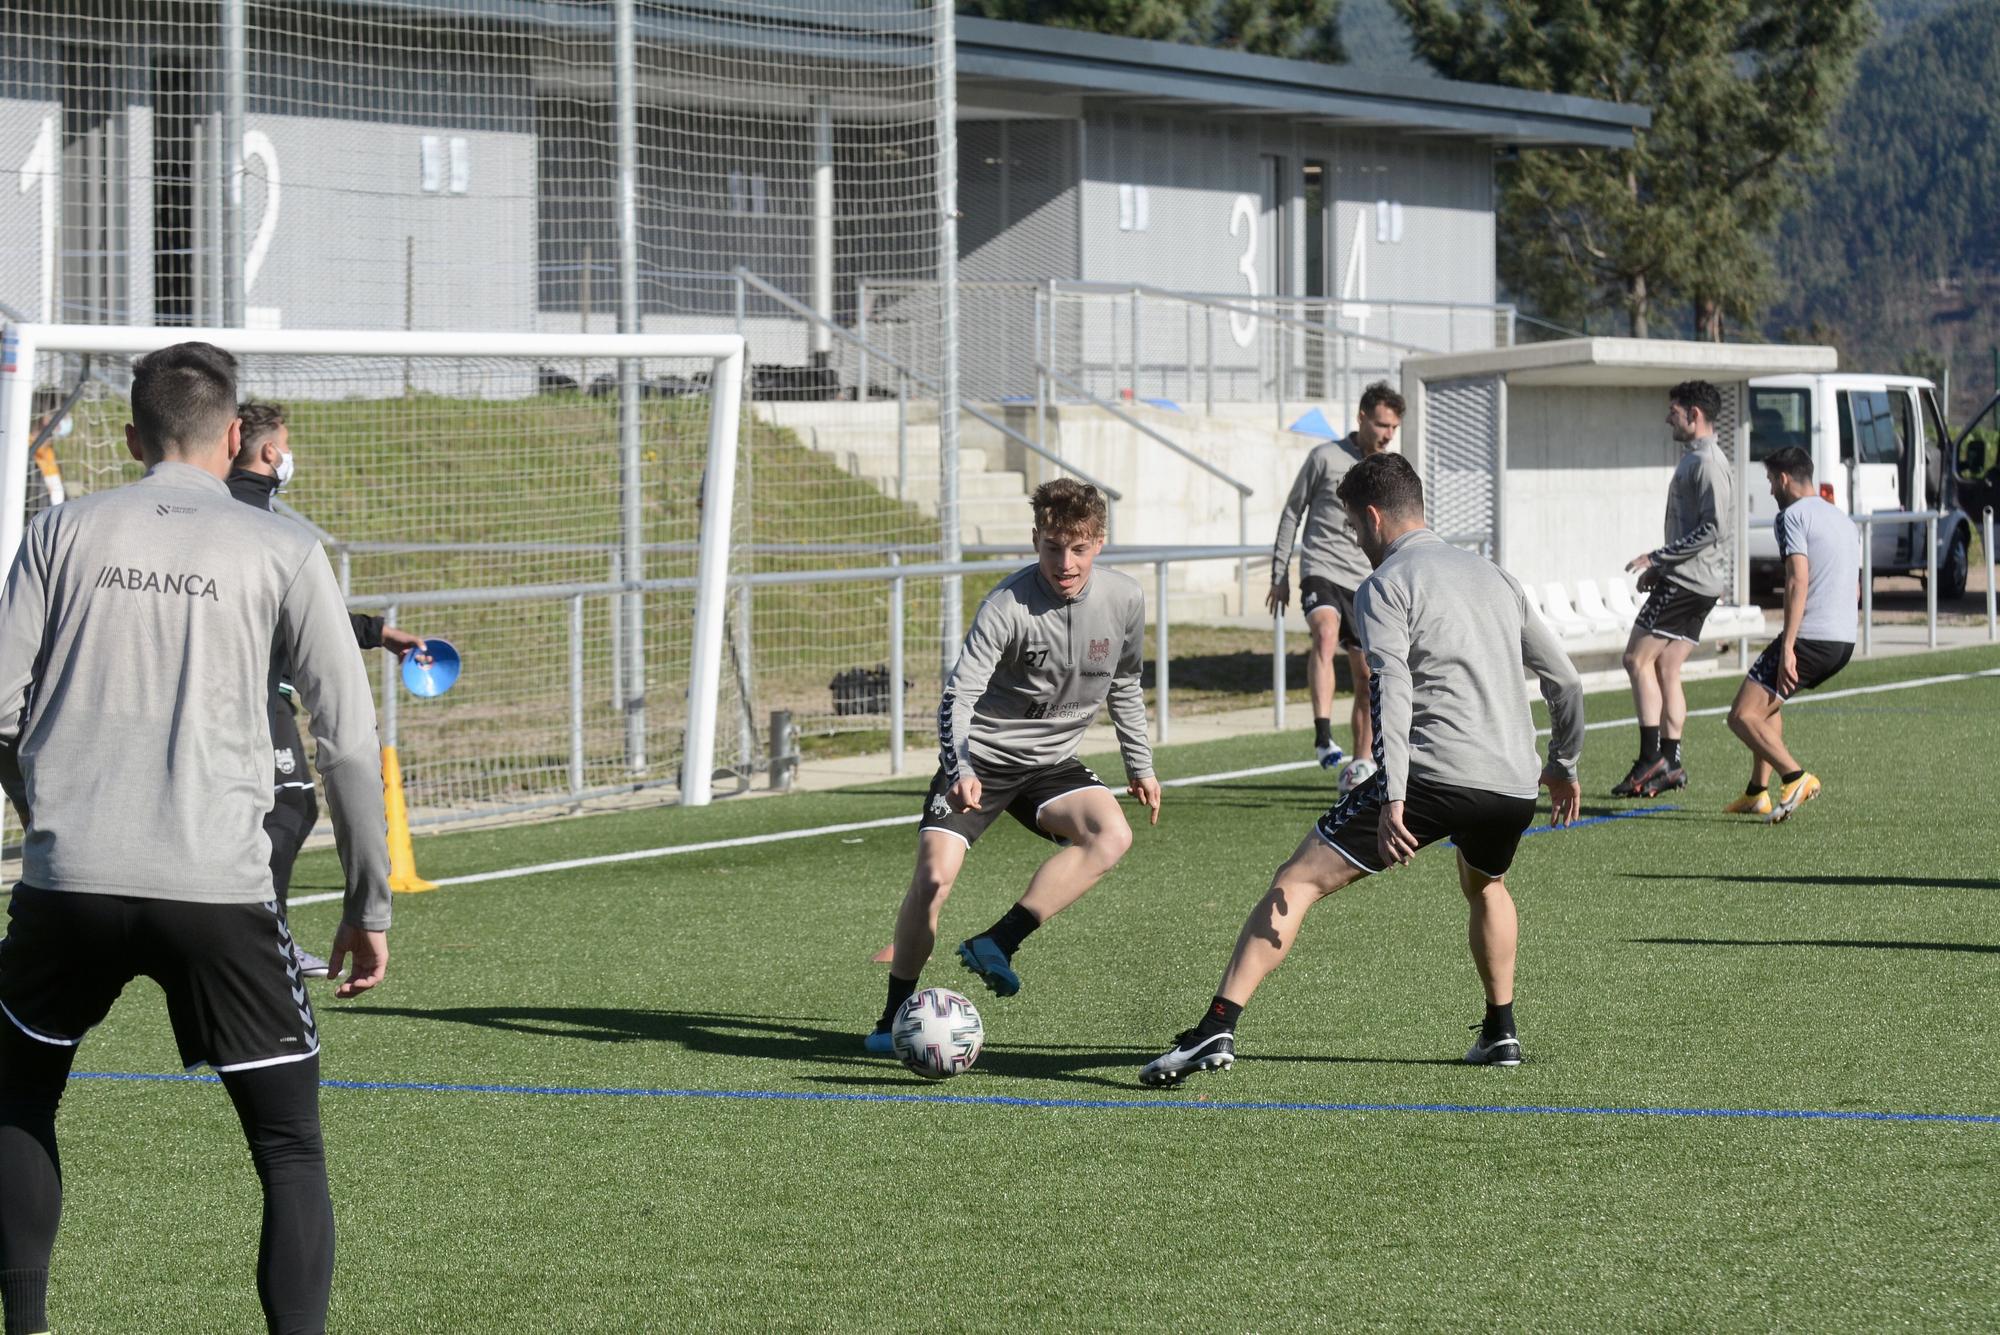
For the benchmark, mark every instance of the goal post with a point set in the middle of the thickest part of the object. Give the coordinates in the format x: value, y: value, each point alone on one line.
x: 461, y: 468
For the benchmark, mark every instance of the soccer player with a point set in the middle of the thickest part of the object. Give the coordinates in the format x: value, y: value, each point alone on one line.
x: 130, y: 623
x: 1822, y: 587
x: 1446, y: 633
x: 263, y: 467
x: 1683, y: 579
x: 1046, y: 648
x: 1331, y: 568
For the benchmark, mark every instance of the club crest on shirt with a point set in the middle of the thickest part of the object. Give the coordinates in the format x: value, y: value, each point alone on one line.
x: 1099, y: 650
x: 287, y: 762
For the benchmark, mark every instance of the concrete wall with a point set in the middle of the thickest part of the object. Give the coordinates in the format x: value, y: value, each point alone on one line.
x: 1586, y: 483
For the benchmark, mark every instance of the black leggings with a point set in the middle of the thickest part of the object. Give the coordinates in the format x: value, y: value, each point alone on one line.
x: 279, y: 1108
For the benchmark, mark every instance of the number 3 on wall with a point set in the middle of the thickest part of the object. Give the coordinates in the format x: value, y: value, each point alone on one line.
x: 1243, y: 219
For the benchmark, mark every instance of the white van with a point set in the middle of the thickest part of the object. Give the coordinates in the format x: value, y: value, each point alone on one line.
x: 1878, y: 443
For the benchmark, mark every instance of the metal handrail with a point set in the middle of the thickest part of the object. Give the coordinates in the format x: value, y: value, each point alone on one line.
x: 1093, y: 286
x: 1213, y: 303
x: 807, y: 313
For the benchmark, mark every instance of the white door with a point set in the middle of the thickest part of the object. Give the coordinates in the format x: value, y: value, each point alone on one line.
x: 1868, y: 449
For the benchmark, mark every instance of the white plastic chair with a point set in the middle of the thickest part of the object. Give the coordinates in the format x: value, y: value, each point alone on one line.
x: 1558, y: 613
x: 1621, y: 601
x: 1590, y: 606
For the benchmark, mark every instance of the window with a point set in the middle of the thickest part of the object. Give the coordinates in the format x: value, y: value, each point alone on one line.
x: 1781, y: 417
x: 1866, y: 420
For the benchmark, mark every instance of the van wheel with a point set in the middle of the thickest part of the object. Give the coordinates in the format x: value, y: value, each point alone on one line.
x: 1957, y: 564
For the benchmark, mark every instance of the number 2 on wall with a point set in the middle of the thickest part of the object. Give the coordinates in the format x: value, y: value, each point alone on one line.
x: 1243, y: 219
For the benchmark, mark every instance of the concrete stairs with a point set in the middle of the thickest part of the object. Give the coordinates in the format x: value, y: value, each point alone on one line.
x: 862, y: 440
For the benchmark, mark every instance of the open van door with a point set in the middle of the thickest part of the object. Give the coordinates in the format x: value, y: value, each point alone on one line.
x: 1976, y: 462
x: 1869, y: 452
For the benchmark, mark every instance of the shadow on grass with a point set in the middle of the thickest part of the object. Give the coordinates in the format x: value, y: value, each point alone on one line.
x: 1886, y: 882
x: 1961, y: 947
x: 800, y: 1039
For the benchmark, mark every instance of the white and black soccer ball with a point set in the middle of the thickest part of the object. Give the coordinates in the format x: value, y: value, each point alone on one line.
x: 938, y: 1033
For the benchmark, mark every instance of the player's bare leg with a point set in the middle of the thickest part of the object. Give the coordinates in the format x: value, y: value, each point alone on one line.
x: 1757, y: 718
x: 1673, y: 699
x: 1313, y: 872
x: 1090, y: 822
x: 1492, y: 931
x: 1362, y: 768
x: 940, y: 856
x: 1642, y: 668
x: 1323, y: 623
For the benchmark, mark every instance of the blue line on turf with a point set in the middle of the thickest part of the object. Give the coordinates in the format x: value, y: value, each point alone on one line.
x: 1095, y: 1105
x: 1633, y: 814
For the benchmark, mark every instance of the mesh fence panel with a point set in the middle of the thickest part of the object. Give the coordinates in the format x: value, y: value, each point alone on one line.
x: 430, y: 166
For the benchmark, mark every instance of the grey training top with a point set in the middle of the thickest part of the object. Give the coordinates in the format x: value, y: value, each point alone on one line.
x: 1447, y: 632
x: 1701, y: 529
x: 1035, y: 668
x: 136, y: 630
x: 1330, y: 550
x: 1812, y: 528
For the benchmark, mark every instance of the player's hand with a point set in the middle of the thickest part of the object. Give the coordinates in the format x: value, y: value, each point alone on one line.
x: 371, y: 958
x: 1649, y: 579
x: 402, y: 644
x: 965, y: 794
x: 1147, y: 790
x: 1279, y: 598
x: 1393, y: 841
x: 1565, y: 797
x: 1788, y: 668
x: 1643, y: 561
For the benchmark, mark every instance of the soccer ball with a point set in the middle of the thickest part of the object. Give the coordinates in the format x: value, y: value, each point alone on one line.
x: 937, y: 1034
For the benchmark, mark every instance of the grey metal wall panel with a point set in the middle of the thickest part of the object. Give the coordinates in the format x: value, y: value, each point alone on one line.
x: 1461, y: 457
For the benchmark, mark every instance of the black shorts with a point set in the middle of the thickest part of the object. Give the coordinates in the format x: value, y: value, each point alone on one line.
x: 234, y: 995
x: 1674, y: 613
x: 1817, y: 660
x: 1487, y: 827
x: 1021, y: 794
x: 1316, y: 592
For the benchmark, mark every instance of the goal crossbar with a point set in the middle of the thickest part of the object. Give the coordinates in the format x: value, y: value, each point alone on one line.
x: 21, y: 343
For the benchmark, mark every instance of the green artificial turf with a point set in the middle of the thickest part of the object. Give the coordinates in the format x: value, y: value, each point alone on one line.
x: 1846, y: 962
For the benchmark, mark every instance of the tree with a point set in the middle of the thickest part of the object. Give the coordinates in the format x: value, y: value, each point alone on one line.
x: 1299, y: 29
x: 1741, y: 92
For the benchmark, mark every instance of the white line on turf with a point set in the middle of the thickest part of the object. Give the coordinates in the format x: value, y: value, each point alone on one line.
x: 887, y: 822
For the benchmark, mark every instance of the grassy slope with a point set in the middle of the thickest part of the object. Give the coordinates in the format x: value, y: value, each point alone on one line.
x: 1677, y: 961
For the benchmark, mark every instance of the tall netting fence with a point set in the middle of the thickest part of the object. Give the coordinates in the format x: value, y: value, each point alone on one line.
x: 415, y: 165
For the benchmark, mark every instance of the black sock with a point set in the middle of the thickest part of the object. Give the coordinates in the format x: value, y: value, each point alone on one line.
x: 1012, y: 929
x: 32, y: 1076
x: 1794, y: 776
x: 900, y: 991
x: 26, y: 1293
x: 1753, y: 790
x: 1649, y: 743
x: 1670, y: 751
x: 1499, y: 1022
x: 1220, y: 1018
x: 1322, y: 732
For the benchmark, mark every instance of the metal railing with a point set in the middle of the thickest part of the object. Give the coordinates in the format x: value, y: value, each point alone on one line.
x: 894, y: 573
x: 1929, y: 519
x: 912, y: 375
x: 1244, y: 492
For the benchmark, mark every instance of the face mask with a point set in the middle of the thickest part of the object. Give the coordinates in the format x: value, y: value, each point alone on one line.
x: 64, y: 427
x: 284, y: 470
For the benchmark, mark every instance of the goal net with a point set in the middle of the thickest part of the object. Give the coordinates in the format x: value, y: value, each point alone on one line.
x: 572, y: 547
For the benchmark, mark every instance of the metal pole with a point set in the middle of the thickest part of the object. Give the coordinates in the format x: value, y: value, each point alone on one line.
x: 1992, y: 569
x: 1160, y: 655
x: 576, y: 695
x: 1132, y: 376
x: 1242, y: 562
x: 616, y: 603
x: 391, y: 670
x: 822, y: 226
x: 902, y: 436
x: 1930, y: 579
x: 1187, y: 351
x: 945, y: 127
x: 1278, y: 672
x: 1867, y: 583
x: 896, y: 668
x: 742, y: 302
x: 347, y: 574
x: 626, y: 78
x: 1208, y: 314
x: 861, y: 332
x: 746, y: 727
x: 235, y: 93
